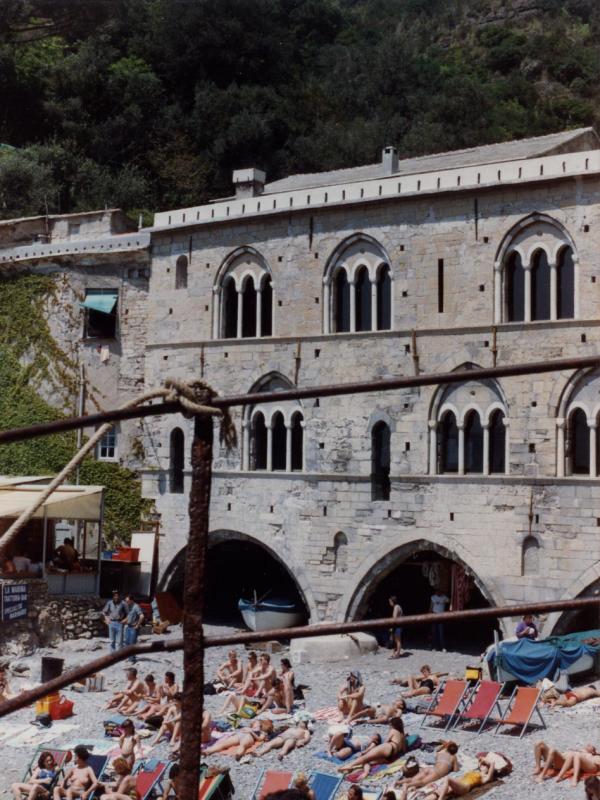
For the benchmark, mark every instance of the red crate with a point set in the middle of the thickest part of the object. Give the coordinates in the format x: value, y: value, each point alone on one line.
x: 127, y: 554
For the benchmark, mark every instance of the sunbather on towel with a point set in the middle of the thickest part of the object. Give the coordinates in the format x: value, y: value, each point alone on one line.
x: 393, y: 747
x: 124, y: 786
x: 574, y: 696
x: 243, y: 739
x: 41, y: 779
x: 445, y: 762
x: 585, y: 760
x: 380, y: 714
x: 287, y: 740
x: 343, y: 745
x: 459, y: 787
x: 351, y: 696
x: 80, y: 781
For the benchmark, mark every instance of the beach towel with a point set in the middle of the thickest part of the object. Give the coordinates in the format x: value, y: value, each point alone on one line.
x: 332, y: 759
x: 379, y: 771
x: 330, y: 714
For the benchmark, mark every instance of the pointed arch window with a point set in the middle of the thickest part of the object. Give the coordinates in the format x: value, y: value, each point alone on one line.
x: 297, y: 442
x: 248, y: 308
x: 259, y: 441
x: 266, y: 308
x: 448, y: 443
x: 497, y: 453
x: 515, y: 288
x: 342, y: 302
x: 473, y: 443
x: 363, y: 300
x: 579, y: 442
x: 540, y: 286
x: 181, y: 273
x: 380, y: 462
x: 278, y: 441
x: 384, y: 298
x: 565, y: 284
x: 176, y: 460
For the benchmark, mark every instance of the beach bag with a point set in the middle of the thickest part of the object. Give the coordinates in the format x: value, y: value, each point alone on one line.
x: 410, y: 768
x: 209, y: 688
x: 112, y: 729
x: 154, y: 722
x: 473, y: 674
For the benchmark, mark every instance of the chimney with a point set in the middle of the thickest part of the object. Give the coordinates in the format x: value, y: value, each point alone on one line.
x: 248, y: 182
x: 389, y: 159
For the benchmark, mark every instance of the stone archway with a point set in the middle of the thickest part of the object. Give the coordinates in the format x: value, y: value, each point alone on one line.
x: 559, y: 623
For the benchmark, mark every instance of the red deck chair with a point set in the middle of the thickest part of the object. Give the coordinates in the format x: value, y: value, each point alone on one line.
x: 147, y: 780
x: 521, y: 707
x: 480, y: 703
x: 272, y: 781
x: 446, y: 701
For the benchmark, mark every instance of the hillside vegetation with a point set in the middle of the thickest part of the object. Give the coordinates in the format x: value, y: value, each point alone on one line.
x: 149, y: 104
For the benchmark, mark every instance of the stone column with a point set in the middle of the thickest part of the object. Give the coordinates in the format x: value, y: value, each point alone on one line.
x: 433, y: 446
x: 560, y: 447
x: 217, y: 312
x: 461, y: 448
x: 506, y: 446
x: 527, y: 292
x: 498, y: 299
x: 486, y: 448
x: 240, y: 312
x: 352, y: 291
x: 326, y: 306
x: 593, y: 467
x: 553, y: 289
x: 270, y: 447
x: 245, y: 445
x: 259, y: 311
x: 288, y: 447
x: 373, y: 305
x: 303, y: 426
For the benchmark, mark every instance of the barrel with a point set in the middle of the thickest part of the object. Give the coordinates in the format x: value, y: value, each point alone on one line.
x: 51, y: 668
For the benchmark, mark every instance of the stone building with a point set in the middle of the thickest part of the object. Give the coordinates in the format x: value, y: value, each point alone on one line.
x: 488, y: 491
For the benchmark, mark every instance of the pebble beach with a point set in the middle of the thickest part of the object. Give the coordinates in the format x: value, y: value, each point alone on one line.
x: 567, y: 728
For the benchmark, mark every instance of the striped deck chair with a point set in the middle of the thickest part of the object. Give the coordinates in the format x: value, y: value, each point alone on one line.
x: 479, y: 704
x: 216, y: 786
x: 523, y: 704
x: 446, y: 701
x: 149, y: 777
x: 272, y: 781
x: 324, y: 785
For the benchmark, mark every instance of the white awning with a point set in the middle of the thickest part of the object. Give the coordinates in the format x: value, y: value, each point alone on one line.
x: 68, y: 502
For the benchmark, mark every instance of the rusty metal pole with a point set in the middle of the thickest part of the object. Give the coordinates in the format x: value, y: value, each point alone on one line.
x: 193, y: 634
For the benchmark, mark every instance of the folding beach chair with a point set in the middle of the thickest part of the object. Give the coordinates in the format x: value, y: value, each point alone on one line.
x: 272, y: 781
x: 521, y: 707
x: 479, y: 704
x: 215, y: 787
x: 324, y: 785
x: 149, y: 778
x: 446, y: 701
x: 60, y: 759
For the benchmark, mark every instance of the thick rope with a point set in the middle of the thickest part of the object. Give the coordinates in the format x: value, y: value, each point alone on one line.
x: 194, y: 398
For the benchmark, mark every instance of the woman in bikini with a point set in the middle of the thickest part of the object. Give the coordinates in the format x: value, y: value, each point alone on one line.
x: 243, y: 739
x: 393, y: 747
x: 351, y: 697
x: 574, y: 696
x: 123, y: 788
x: 289, y: 682
x: 287, y: 741
x: 424, y: 684
x: 343, y: 746
x: 41, y: 780
x: 129, y: 741
x: 445, y: 762
x: 380, y: 714
x: 458, y: 787
x: 81, y: 782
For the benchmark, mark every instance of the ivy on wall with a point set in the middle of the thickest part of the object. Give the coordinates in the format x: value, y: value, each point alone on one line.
x: 32, y: 368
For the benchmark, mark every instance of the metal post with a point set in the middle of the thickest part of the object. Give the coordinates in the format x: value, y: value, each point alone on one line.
x: 193, y: 634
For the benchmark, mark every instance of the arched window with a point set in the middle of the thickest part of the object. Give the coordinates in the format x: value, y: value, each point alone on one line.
x: 473, y: 443
x: 279, y: 441
x: 384, y: 298
x: 380, y: 462
x: 448, y: 443
x: 515, y: 288
x: 340, y: 552
x: 565, y: 280
x: 248, y: 308
x: 579, y: 442
x: 497, y: 454
x: 176, y: 460
x: 266, y: 308
x: 259, y: 441
x: 363, y: 300
x: 181, y: 272
x: 230, y: 308
x: 530, y: 556
x: 297, y: 461
x: 540, y: 286
x: 342, y: 302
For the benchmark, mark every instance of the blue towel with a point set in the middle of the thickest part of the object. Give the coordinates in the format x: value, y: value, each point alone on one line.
x: 333, y: 759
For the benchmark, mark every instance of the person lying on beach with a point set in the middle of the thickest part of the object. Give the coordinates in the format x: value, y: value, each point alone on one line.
x: 459, y: 787
x: 393, y: 747
x: 343, y: 745
x: 171, y: 723
x: 379, y: 714
x: 351, y: 696
x: 416, y: 681
x: 129, y: 741
x: 80, y: 781
x: 123, y: 787
x: 230, y: 672
x: 133, y: 691
x: 574, y: 696
x: 287, y: 740
x: 243, y: 739
x: 41, y: 780
x: 445, y: 763
x: 578, y: 761
x: 150, y: 696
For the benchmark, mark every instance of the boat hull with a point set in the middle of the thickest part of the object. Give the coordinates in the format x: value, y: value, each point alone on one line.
x: 262, y: 617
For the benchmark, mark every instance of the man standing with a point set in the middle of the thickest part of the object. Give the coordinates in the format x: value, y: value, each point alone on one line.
x: 133, y: 622
x: 438, y: 605
x: 115, y: 612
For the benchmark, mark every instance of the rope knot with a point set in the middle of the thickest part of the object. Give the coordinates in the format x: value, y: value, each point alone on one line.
x: 195, y: 397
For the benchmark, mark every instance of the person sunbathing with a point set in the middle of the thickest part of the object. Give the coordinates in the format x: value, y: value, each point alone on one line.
x: 243, y: 739
x: 287, y: 741
x: 574, y: 696
x: 394, y: 746
x: 351, y: 696
x: 230, y: 672
x: 379, y: 714
x: 342, y: 745
x: 123, y: 787
x: 459, y: 787
x: 134, y: 690
x: 129, y: 741
x: 150, y: 696
x: 424, y: 684
x: 171, y: 722
x: 415, y: 681
x: 166, y: 691
x: 41, y: 780
x: 546, y: 758
x: 579, y: 761
x: 80, y: 781
x: 445, y: 763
